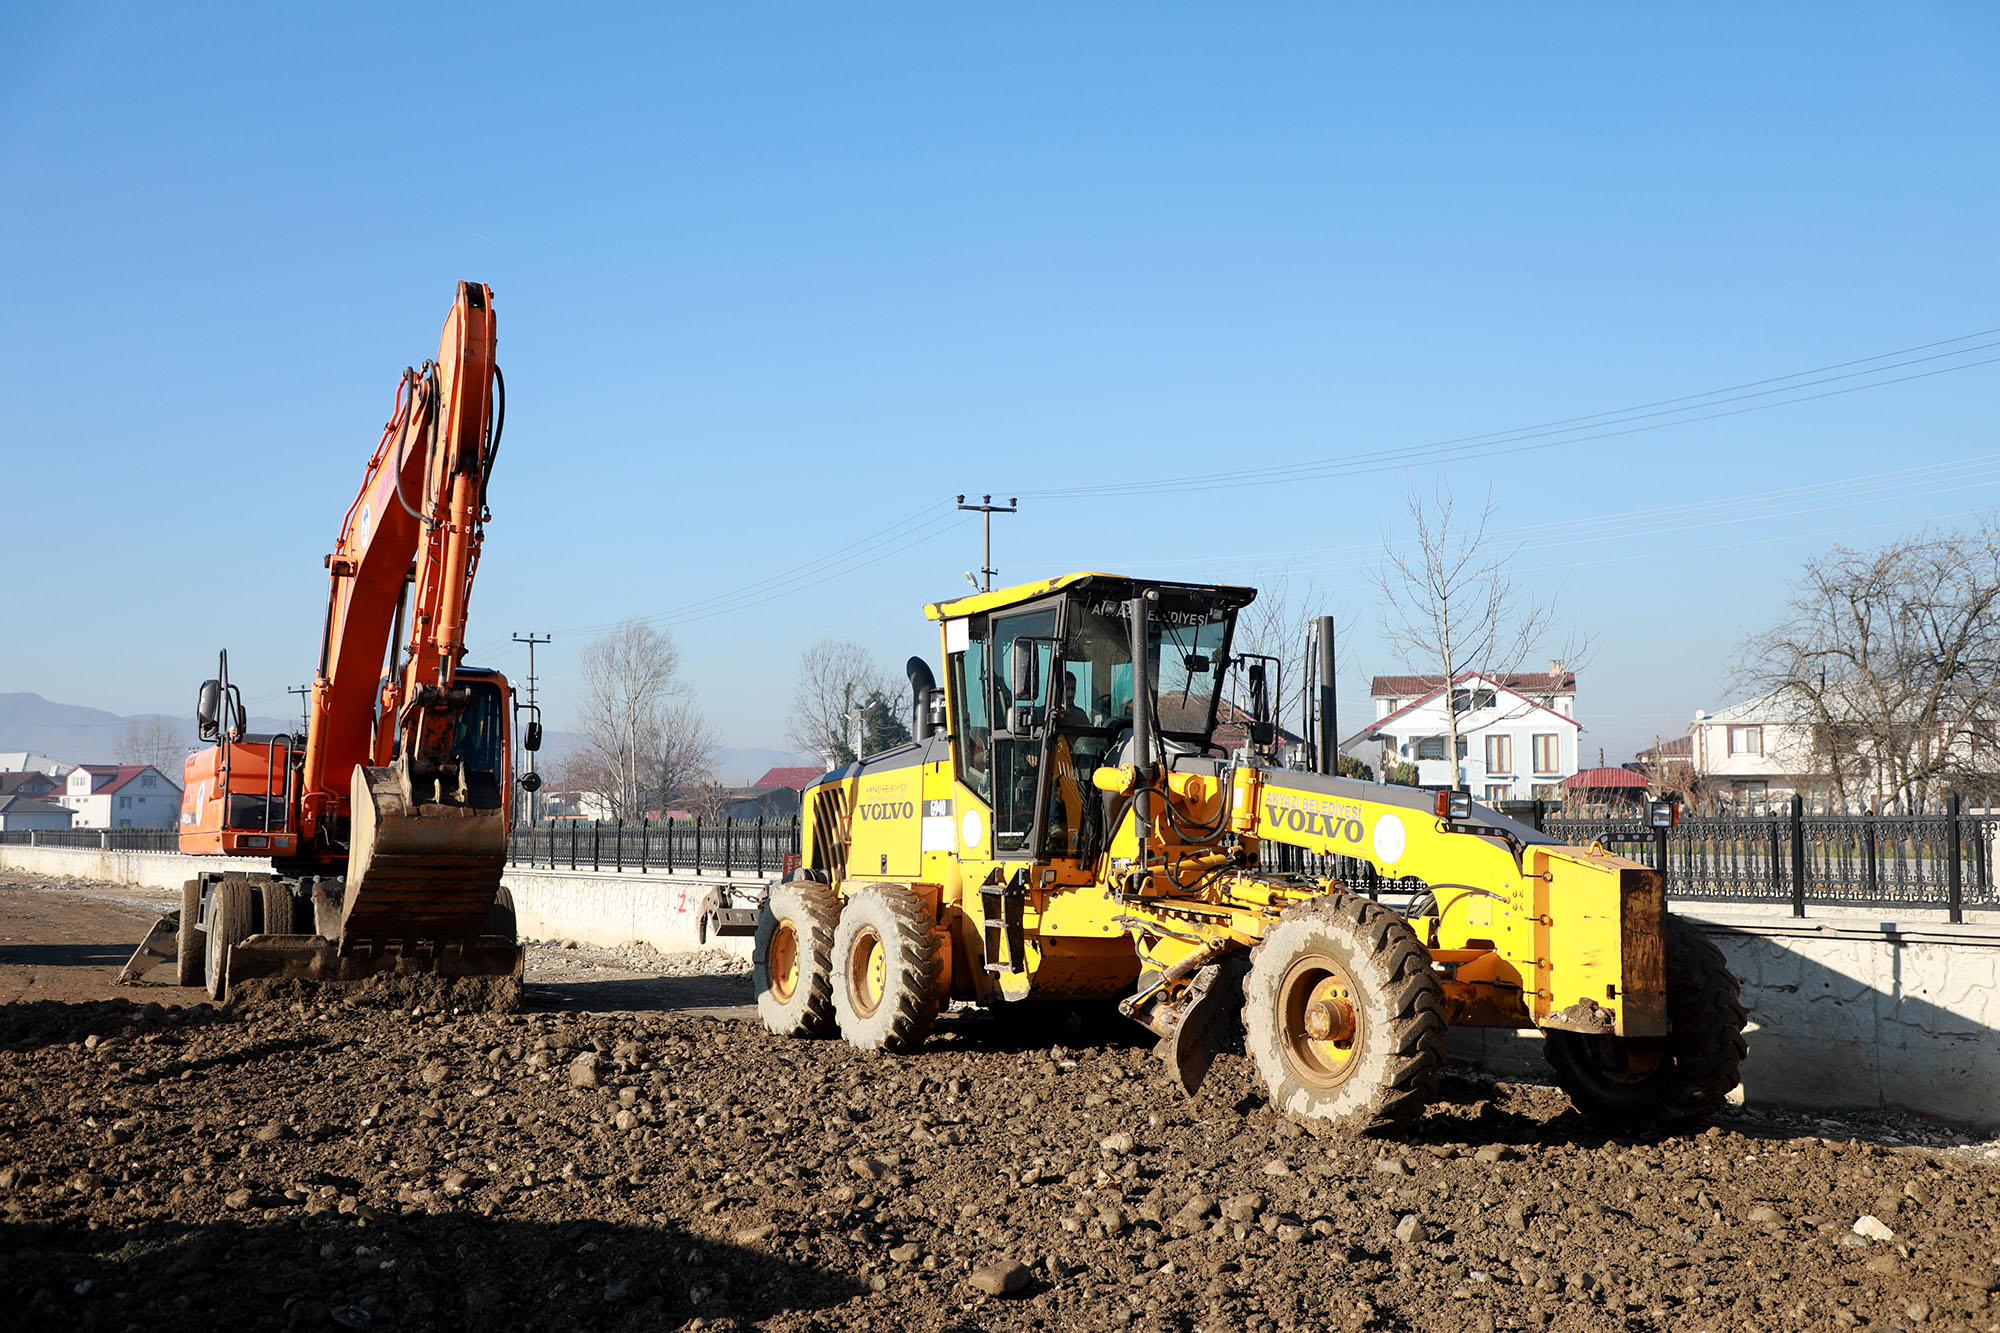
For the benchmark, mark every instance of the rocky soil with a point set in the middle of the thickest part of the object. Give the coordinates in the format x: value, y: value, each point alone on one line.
x: 343, y: 1166
x: 623, y: 1154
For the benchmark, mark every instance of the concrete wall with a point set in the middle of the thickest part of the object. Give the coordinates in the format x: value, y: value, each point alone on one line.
x: 1846, y: 1013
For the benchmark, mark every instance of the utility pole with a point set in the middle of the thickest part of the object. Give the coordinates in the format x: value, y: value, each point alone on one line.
x: 989, y: 509
x: 304, y: 692
x: 534, y: 799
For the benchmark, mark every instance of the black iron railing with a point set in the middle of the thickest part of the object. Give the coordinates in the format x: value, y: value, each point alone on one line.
x: 109, y: 839
x: 1937, y: 860
x: 760, y: 846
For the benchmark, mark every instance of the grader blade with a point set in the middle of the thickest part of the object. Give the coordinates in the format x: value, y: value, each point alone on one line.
x: 1198, y: 1027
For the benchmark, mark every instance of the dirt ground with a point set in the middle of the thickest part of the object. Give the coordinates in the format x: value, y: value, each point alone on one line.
x: 626, y: 1153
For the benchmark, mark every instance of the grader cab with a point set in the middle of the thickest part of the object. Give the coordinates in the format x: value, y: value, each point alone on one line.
x: 1064, y: 829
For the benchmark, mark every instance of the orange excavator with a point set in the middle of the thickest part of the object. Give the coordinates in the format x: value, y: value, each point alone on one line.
x: 386, y: 821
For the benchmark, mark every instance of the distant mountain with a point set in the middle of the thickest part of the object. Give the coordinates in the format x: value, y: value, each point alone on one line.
x: 76, y: 734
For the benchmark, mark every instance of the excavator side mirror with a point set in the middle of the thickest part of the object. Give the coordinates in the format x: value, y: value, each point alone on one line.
x: 1023, y: 674
x: 208, y: 710
x: 532, y: 742
x: 531, y: 782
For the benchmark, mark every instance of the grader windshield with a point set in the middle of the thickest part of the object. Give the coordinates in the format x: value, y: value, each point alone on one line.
x: 1032, y: 754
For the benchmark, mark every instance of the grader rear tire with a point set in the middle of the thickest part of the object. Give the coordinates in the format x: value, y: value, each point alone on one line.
x: 888, y: 956
x: 231, y: 920
x: 1682, y: 1077
x: 189, y: 965
x: 791, y: 959
x: 1343, y: 1016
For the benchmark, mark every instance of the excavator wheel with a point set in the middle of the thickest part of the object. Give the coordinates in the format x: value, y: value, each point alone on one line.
x: 888, y: 955
x: 500, y: 918
x: 188, y: 965
x: 791, y: 959
x: 1343, y: 1016
x: 231, y: 920
x: 1684, y: 1076
x: 281, y: 910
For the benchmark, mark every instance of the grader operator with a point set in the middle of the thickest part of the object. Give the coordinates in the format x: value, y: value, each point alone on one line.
x: 1065, y: 829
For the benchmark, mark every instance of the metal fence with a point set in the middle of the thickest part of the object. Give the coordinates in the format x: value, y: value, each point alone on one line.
x: 686, y: 846
x: 96, y: 839
x: 1941, y: 860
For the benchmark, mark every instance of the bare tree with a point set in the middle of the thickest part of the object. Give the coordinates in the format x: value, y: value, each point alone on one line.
x: 836, y: 679
x: 1886, y: 666
x: 156, y: 740
x: 684, y: 760
x: 1280, y: 624
x: 1449, y: 604
x: 631, y: 682
x: 708, y: 799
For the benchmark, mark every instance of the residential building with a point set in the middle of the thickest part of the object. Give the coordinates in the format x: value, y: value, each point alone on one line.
x: 1750, y: 758
x: 31, y: 813
x: 797, y: 777
x: 1517, y: 734
x: 21, y: 761
x: 121, y: 796
x: 31, y: 783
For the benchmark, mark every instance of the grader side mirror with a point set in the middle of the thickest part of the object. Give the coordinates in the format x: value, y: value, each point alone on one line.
x: 1023, y: 674
x: 1262, y: 730
x: 208, y: 710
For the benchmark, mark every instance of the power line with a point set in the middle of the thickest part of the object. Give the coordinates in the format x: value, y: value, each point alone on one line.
x: 1686, y: 409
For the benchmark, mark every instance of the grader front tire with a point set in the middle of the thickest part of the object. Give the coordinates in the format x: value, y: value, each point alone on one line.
x: 888, y: 957
x: 792, y: 959
x: 1683, y: 1077
x: 1343, y: 1017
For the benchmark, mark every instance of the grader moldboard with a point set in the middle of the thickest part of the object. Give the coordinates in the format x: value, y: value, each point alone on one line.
x: 1064, y: 829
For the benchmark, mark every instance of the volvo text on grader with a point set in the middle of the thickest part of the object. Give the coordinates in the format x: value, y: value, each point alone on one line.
x: 386, y: 822
x: 1064, y: 828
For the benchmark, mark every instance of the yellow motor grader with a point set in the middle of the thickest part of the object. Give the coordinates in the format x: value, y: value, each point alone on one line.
x: 1064, y: 828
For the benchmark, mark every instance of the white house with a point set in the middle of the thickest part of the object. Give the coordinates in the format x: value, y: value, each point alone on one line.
x: 121, y: 796
x: 1517, y: 735
x: 1753, y: 755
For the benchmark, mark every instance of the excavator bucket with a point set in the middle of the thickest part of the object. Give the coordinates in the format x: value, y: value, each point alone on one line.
x: 421, y: 880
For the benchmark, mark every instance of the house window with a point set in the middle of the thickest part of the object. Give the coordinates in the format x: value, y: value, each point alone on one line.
x: 1746, y: 740
x: 124, y: 802
x: 1497, y: 792
x: 1548, y: 752
x: 1548, y: 791
x: 1751, y: 797
x: 1499, y: 754
x: 147, y: 781
x: 1430, y: 747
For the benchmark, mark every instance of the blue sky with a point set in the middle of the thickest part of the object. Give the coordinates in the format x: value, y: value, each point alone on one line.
x: 772, y: 280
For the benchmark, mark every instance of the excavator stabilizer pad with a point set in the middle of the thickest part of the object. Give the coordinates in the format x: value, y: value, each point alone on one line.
x: 160, y: 945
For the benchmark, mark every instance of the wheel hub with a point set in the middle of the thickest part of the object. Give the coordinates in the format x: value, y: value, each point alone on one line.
x: 1320, y: 1029
x: 868, y: 972
x: 782, y: 969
